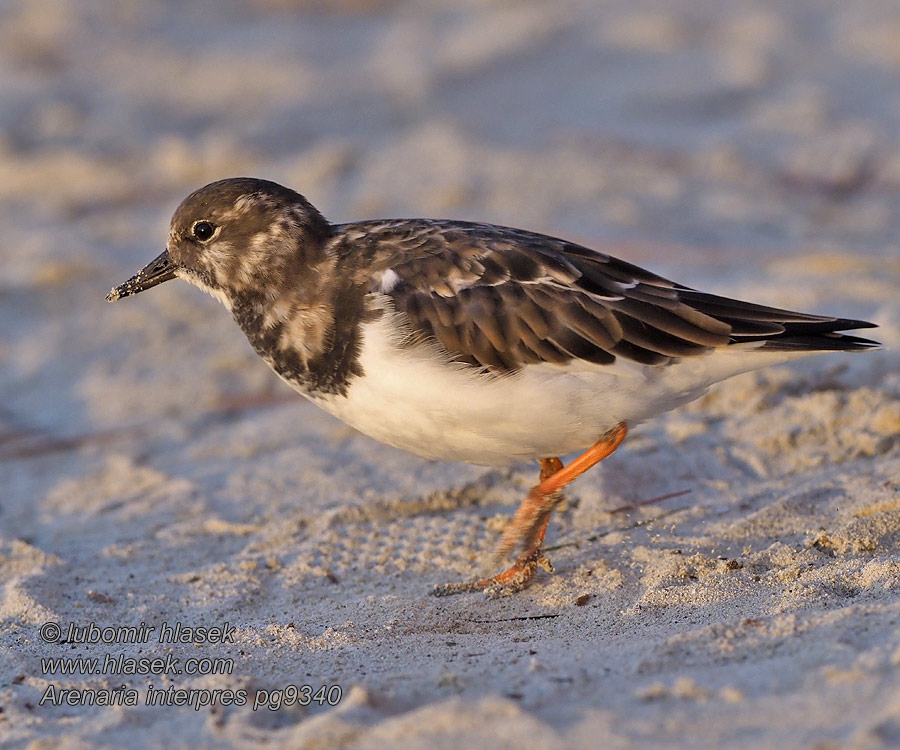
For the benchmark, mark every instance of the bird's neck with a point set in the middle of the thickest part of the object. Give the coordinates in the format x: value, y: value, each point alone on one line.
x: 312, y: 338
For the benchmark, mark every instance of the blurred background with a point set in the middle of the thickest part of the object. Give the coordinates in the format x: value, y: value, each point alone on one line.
x: 747, y: 145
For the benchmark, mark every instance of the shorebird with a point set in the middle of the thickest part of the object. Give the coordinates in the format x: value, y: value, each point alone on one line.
x: 461, y: 341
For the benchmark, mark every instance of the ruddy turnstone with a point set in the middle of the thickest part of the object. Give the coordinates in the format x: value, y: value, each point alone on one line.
x: 469, y: 342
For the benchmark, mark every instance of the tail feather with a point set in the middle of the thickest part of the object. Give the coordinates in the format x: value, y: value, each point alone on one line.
x: 780, y: 330
x: 827, y: 341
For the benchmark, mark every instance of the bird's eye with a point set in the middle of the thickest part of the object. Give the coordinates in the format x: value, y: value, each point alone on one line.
x: 203, y: 230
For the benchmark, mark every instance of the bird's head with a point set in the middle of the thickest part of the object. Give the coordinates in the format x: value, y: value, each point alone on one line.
x: 237, y: 236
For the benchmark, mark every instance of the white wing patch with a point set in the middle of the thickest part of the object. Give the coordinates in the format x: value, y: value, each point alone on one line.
x: 389, y: 279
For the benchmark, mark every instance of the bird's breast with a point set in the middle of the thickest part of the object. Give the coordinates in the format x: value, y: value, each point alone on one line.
x: 416, y: 399
x: 302, y: 343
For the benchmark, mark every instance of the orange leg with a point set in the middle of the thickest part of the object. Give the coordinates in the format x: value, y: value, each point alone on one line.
x: 527, y: 527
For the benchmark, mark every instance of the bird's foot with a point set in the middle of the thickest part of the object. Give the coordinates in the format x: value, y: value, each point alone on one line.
x: 528, y: 525
x: 510, y: 581
x: 526, y: 530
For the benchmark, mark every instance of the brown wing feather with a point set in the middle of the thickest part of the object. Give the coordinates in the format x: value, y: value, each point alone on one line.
x: 504, y: 298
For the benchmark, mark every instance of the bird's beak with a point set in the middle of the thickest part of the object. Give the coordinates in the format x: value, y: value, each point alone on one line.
x: 157, y: 271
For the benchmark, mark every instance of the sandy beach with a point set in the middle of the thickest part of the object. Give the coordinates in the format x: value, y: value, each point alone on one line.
x: 186, y: 539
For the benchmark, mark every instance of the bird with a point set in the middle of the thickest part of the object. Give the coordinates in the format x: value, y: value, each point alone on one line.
x: 471, y: 342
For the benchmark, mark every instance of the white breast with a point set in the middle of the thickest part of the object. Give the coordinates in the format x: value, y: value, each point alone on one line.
x: 414, y: 399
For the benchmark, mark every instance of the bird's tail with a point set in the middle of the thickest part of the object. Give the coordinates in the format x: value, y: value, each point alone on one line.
x: 781, y: 330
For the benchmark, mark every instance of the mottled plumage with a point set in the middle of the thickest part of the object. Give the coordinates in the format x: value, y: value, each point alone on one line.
x: 503, y: 298
x: 464, y: 341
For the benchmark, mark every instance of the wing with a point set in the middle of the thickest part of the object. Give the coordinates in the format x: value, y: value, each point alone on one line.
x: 502, y: 298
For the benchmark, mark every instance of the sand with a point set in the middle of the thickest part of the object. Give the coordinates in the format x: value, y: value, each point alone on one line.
x: 730, y: 578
